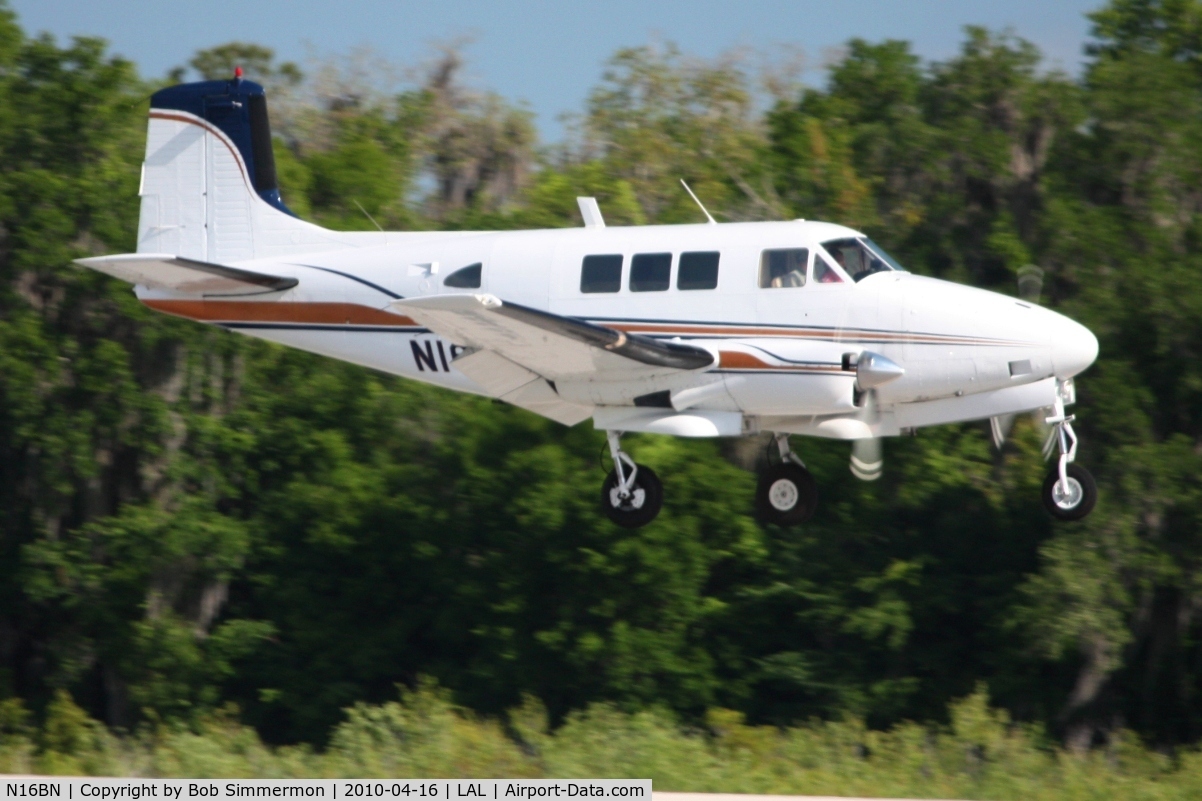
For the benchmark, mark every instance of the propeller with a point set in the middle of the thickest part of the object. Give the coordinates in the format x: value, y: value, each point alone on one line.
x: 1030, y: 287
x: 999, y: 428
x: 872, y: 370
x: 1000, y: 425
x: 1030, y: 283
x: 867, y: 462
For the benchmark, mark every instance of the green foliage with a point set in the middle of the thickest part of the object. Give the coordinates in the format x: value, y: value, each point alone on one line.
x: 657, y: 118
x: 357, y: 170
x: 424, y: 735
x: 550, y: 202
x: 296, y: 181
x: 71, y: 743
x: 256, y: 61
x: 979, y: 753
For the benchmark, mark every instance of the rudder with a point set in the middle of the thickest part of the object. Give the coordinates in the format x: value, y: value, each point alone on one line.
x: 209, y: 188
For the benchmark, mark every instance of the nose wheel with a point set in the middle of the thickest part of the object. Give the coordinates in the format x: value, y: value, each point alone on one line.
x: 1069, y: 491
x: 787, y: 493
x: 632, y: 494
x: 1072, y: 496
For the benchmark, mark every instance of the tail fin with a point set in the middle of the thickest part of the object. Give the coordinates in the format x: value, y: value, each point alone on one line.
x: 209, y: 190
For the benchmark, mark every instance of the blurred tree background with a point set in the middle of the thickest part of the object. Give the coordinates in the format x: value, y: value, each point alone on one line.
x: 189, y: 519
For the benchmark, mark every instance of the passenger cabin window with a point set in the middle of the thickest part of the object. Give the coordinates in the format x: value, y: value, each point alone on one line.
x: 697, y: 270
x: 824, y: 273
x: 860, y: 258
x: 601, y: 273
x: 650, y: 272
x: 783, y: 268
x: 465, y: 277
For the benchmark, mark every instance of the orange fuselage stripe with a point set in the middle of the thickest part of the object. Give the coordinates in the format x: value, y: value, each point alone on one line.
x: 738, y: 360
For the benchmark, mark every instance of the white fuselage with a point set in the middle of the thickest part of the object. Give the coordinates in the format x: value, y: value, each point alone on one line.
x: 780, y: 351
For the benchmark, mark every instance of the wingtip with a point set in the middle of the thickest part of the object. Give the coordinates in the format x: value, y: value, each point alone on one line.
x: 91, y: 261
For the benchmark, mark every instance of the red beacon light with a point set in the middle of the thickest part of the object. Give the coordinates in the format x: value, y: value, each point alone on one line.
x: 237, y: 73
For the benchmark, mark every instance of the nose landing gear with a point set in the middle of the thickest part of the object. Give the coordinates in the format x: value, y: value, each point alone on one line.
x: 787, y: 493
x: 632, y: 494
x: 1069, y: 491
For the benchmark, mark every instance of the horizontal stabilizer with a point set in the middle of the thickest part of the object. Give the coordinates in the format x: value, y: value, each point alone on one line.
x: 164, y: 271
x: 552, y: 346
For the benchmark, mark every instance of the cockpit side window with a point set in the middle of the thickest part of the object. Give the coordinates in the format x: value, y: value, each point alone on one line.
x: 880, y: 251
x: 860, y: 258
x: 783, y: 268
x: 824, y: 273
x: 465, y: 277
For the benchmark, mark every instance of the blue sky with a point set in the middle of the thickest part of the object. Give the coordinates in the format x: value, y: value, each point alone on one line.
x: 548, y: 53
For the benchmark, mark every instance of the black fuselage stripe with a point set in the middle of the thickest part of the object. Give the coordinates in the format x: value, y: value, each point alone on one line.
x: 845, y: 333
x: 236, y: 324
x: 383, y: 329
x: 363, y: 281
x: 752, y: 371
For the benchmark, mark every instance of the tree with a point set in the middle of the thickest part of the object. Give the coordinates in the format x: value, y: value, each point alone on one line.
x: 257, y: 63
x: 657, y: 118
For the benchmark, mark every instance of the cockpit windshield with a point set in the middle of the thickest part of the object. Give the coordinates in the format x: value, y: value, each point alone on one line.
x: 861, y: 257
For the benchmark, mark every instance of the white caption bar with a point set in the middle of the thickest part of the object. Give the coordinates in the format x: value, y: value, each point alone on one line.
x: 76, y: 789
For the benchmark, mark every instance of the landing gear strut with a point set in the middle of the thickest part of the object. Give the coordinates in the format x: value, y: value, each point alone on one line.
x: 1069, y: 491
x: 632, y: 494
x: 787, y: 493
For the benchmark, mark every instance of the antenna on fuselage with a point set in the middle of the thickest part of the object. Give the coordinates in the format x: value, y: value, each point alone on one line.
x: 590, y: 212
x: 368, y: 216
x: 698, y: 202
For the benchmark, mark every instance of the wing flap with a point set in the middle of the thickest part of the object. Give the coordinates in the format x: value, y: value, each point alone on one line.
x: 515, y: 384
x: 549, y: 345
x: 492, y: 371
x: 165, y: 271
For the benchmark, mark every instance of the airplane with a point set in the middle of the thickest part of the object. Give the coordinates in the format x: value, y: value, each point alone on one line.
x: 706, y: 330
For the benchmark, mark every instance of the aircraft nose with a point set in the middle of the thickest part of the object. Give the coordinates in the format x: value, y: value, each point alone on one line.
x: 1074, y: 347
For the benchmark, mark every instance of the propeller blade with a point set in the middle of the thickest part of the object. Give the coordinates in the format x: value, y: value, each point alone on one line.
x: 1049, y: 444
x: 872, y: 370
x: 1030, y: 283
x: 867, y: 463
x: 1039, y: 419
x: 999, y: 428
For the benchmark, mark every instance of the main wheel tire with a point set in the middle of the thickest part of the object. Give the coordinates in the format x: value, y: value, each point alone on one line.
x: 1080, y: 498
x: 644, y: 503
x: 786, y: 495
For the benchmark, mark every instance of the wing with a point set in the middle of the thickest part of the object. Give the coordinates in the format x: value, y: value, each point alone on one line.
x: 554, y: 347
x: 516, y: 353
x: 164, y: 271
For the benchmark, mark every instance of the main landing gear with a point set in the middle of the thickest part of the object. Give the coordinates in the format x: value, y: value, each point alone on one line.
x: 632, y: 494
x: 787, y: 493
x: 1069, y: 491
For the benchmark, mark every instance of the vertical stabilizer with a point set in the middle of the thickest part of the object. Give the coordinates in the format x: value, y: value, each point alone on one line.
x: 209, y: 190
